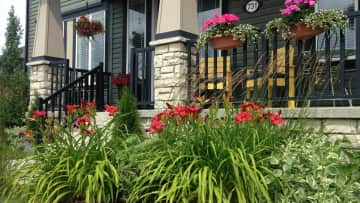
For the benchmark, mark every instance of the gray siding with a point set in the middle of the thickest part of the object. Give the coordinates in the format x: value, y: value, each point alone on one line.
x: 117, y: 34
x: 269, y: 10
x: 33, y: 10
x: 117, y: 42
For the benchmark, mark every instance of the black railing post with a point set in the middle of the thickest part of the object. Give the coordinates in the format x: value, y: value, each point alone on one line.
x: 149, y: 68
x: 38, y: 139
x: 357, y: 63
x: 298, y: 70
x: 224, y: 54
x: 328, y: 63
x: 342, y: 64
x: 66, y: 72
x: 275, y: 67
x: 132, y: 70
x: 100, y: 87
x: 287, y: 71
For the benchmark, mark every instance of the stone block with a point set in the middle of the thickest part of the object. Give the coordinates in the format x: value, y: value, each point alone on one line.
x: 354, y: 140
x: 334, y: 137
x: 161, y: 49
x: 167, y: 69
x: 158, y: 61
x: 177, y: 47
x: 168, y: 56
x: 342, y: 126
x: 315, y: 124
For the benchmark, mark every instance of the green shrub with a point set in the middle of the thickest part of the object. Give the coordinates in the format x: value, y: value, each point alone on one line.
x: 127, y: 120
x: 73, y: 164
x: 11, y: 148
x: 309, y: 168
x: 13, y: 98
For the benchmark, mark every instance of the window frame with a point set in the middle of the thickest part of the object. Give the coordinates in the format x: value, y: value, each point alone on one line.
x: 73, y: 18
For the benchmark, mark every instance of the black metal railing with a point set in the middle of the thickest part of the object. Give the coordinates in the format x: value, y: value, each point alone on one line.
x: 91, y: 86
x: 323, y: 71
x: 61, y: 74
x: 141, y: 80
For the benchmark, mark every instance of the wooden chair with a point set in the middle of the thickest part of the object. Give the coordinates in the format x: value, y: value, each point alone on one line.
x: 280, y: 81
x: 211, y: 76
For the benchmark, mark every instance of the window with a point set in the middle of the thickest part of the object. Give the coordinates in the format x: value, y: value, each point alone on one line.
x: 84, y: 53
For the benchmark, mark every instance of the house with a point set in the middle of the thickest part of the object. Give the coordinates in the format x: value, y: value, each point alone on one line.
x: 152, y: 41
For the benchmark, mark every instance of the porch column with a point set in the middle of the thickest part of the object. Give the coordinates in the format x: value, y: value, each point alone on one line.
x: 177, y: 25
x: 48, y: 47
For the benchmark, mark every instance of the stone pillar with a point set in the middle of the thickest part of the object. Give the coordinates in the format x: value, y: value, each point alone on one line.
x: 177, y: 25
x: 171, y: 77
x: 48, y: 46
x: 40, y: 79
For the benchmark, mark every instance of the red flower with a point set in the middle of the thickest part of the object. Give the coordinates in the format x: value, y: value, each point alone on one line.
x: 71, y: 108
x: 38, y: 114
x: 120, y: 79
x: 180, y: 110
x: 246, y: 107
x: 242, y: 117
x: 111, y: 109
x: 193, y: 110
x: 82, y: 120
x: 156, y: 126
x: 276, y: 119
x: 90, y: 104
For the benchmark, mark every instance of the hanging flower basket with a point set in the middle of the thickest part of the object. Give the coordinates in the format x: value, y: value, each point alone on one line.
x: 88, y: 28
x: 225, y: 42
x: 222, y: 33
x: 301, y: 21
x: 300, y: 31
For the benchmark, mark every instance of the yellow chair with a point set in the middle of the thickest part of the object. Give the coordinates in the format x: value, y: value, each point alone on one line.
x: 219, y: 76
x: 280, y: 81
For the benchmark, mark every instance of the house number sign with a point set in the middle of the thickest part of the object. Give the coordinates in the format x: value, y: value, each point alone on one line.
x: 252, y: 6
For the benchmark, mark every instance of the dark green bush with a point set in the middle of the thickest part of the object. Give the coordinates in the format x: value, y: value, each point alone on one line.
x: 14, y: 98
x: 127, y: 120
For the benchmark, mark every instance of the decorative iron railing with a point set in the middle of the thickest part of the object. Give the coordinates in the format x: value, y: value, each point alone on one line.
x: 91, y: 86
x: 61, y: 74
x: 323, y: 71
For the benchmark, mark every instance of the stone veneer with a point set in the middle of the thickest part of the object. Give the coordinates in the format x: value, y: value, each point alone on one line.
x: 171, y: 71
x: 337, y: 123
x: 40, y: 79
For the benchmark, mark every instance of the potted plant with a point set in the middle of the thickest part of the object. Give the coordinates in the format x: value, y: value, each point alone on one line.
x: 88, y: 28
x: 222, y: 33
x: 300, y: 21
